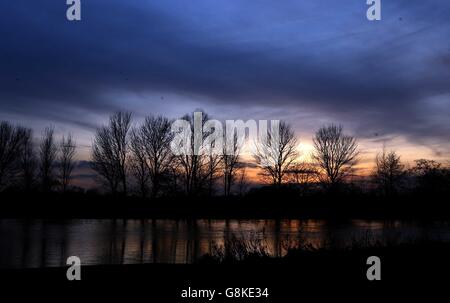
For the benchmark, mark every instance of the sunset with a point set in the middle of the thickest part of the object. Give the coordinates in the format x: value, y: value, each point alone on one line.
x: 214, y: 141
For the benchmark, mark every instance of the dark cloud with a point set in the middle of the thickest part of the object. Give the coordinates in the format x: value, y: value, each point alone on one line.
x: 390, y: 77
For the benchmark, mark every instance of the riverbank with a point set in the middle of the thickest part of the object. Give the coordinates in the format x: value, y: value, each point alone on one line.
x: 406, y: 271
x: 294, y: 276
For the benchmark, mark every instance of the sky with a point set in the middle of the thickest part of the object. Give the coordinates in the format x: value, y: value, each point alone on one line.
x: 307, y: 62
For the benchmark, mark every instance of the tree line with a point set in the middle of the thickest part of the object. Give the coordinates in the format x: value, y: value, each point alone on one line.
x: 137, y: 159
x: 122, y: 154
x: 28, y: 165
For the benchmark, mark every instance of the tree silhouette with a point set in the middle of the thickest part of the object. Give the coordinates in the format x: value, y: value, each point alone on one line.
x: 212, y: 169
x: 138, y: 162
x: 242, y: 183
x: 389, y: 172
x: 110, y: 151
x: 28, y: 162
x: 156, y: 136
x: 230, y: 162
x: 278, y: 153
x: 431, y: 177
x: 12, y: 140
x: 47, y: 156
x: 67, y: 148
x: 304, y: 175
x: 335, y: 153
x: 194, y: 164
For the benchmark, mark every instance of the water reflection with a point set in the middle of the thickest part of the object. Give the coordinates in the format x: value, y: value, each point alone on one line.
x: 44, y: 243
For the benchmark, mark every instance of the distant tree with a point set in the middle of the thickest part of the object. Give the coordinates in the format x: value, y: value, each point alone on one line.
x: 334, y: 153
x: 212, y: 169
x: 242, y: 183
x: 389, y: 172
x: 425, y: 166
x: 431, y: 177
x: 11, y: 145
x: 28, y: 162
x: 138, y: 162
x: 230, y: 162
x: 67, y: 149
x: 47, y: 156
x: 277, y: 154
x: 110, y: 151
x: 103, y: 161
x: 174, y: 183
x: 156, y: 136
x: 303, y: 174
x: 193, y: 165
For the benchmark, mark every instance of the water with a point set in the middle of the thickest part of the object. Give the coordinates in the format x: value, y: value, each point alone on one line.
x: 44, y: 243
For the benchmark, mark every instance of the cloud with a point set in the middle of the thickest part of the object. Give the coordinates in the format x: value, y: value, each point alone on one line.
x: 322, y: 57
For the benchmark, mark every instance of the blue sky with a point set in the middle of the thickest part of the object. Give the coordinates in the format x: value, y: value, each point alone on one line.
x: 307, y: 62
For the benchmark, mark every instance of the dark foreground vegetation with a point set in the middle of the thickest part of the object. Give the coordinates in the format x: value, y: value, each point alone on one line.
x: 255, y: 251
x: 303, y: 273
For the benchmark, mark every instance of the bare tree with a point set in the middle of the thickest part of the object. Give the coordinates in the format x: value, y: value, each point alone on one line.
x: 430, y: 176
x: 335, y: 153
x: 194, y: 165
x: 242, y: 181
x: 67, y: 148
x: 303, y: 174
x: 28, y: 162
x: 389, y: 172
x: 155, y: 136
x: 103, y: 161
x: 47, y: 156
x: 278, y: 153
x: 212, y: 170
x: 138, y: 162
x: 425, y: 167
x: 110, y: 151
x: 174, y: 181
x: 11, y: 144
x: 230, y: 162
